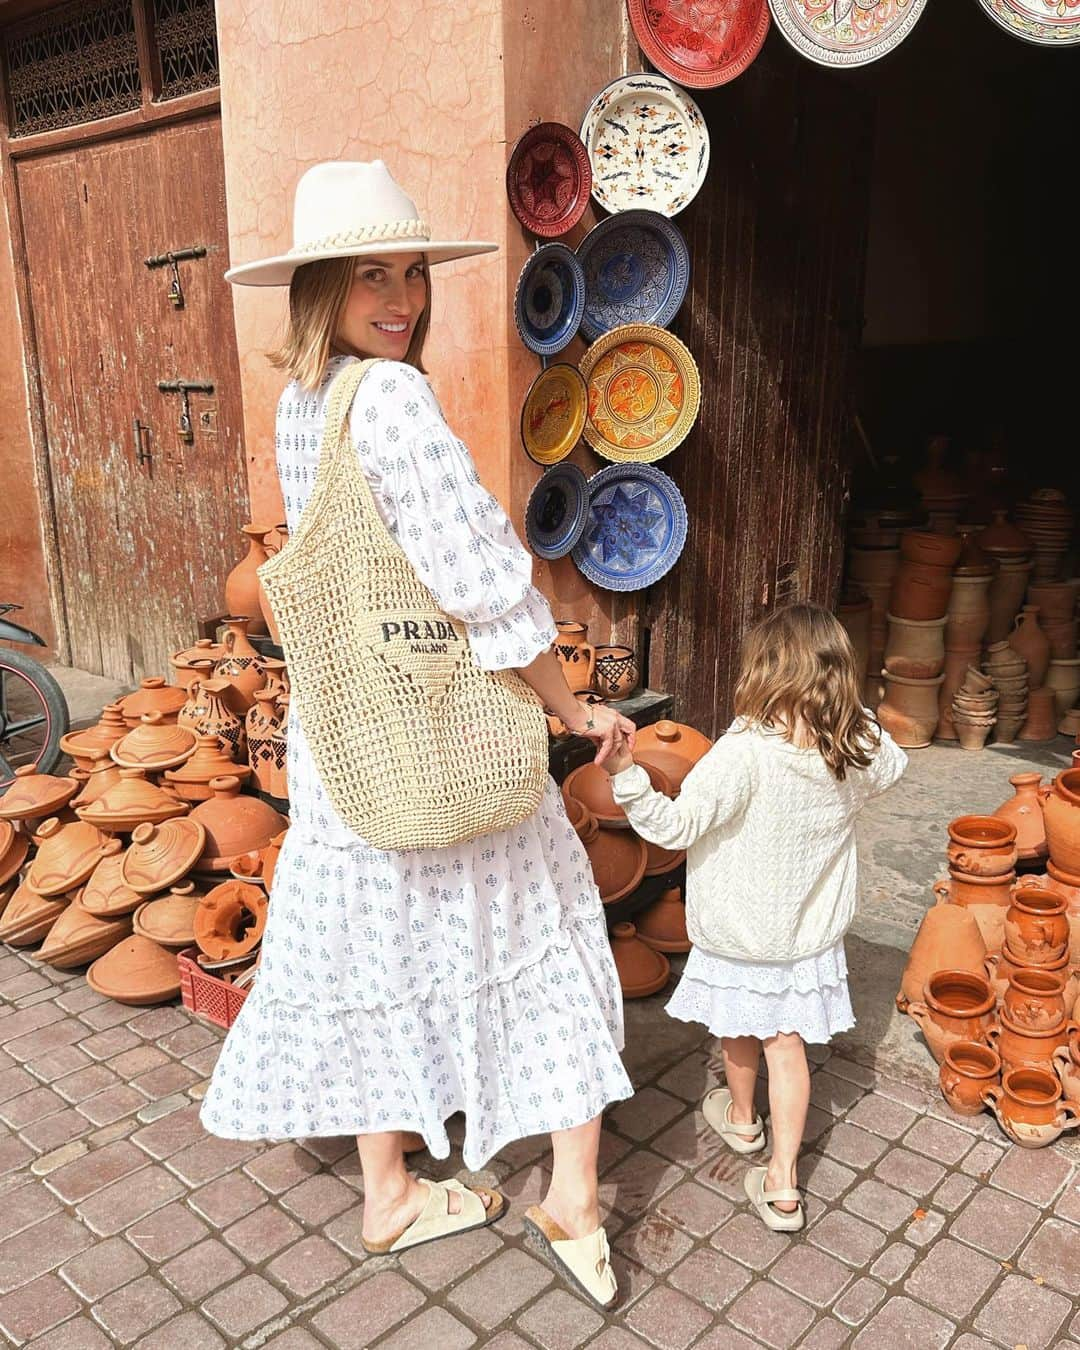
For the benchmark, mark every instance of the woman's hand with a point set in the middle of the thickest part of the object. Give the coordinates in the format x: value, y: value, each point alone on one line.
x: 605, y: 728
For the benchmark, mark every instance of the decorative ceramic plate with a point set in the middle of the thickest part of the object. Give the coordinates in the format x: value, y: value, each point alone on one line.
x: 550, y: 299
x: 557, y: 511
x: 637, y: 269
x: 636, y: 527
x: 700, y: 43
x: 548, y: 179
x: 553, y: 416
x: 845, y: 32
x: 648, y: 144
x: 644, y: 393
x: 1050, y: 23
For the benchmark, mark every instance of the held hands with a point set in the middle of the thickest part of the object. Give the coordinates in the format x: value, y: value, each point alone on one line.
x: 608, y: 730
x: 621, y: 756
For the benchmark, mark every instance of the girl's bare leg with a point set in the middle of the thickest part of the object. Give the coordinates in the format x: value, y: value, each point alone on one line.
x: 742, y: 1054
x: 789, y: 1098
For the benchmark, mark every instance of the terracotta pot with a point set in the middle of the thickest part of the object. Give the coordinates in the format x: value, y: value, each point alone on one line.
x: 1063, y: 677
x: 131, y: 802
x: 592, y: 786
x: 991, y: 921
x: 672, y: 747
x: 915, y: 648
x: 1057, y: 879
x: 33, y: 795
x: 169, y: 921
x: 97, y: 780
x: 641, y: 970
x: 1019, y: 1046
x: 962, y: 889
x: 663, y: 925
x: 1028, y: 639
x: 1035, y: 998
x: 28, y: 915
x: 196, y: 662
x: 242, y: 668
x: 1002, y: 967
x: 1006, y: 594
x: 212, y: 759
x: 279, y: 746
x: 968, y: 614
x: 854, y: 612
x: 1036, y: 927
x: 615, y: 673
x: 982, y: 846
x: 1025, y: 811
x: 1061, y: 812
x: 1061, y: 637
x: 107, y: 894
x: 970, y: 736
x: 1028, y: 1106
x: 230, y: 920
x: 160, y: 855
x: 956, y: 664
x: 79, y: 937
x: 576, y: 654
x: 920, y: 591
x: 262, y: 725
x: 956, y: 1006
x: 154, y: 745
x: 234, y: 824
x: 909, y: 711
x: 82, y: 745
x: 66, y: 856
x: 207, y: 713
x: 273, y: 542
x: 922, y: 546
x: 1067, y: 1067
x: 947, y: 936
x: 875, y: 565
x: 1041, y: 721
x: 618, y: 859
x: 136, y: 972
x: 153, y: 695
x: 242, y: 583
x: 967, y: 1068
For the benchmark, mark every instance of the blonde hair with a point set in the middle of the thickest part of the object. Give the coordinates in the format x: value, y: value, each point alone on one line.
x: 798, y: 670
x: 318, y: 294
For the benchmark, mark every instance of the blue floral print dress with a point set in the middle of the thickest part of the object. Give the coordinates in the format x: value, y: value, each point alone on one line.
x: 396, y: 989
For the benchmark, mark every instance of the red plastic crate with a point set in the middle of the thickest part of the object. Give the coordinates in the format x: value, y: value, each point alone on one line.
x: 205, y: 995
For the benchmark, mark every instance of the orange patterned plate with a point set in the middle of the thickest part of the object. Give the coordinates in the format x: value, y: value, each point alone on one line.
x: 644, y: 393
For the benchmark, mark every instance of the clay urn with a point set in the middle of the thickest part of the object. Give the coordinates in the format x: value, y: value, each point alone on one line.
x: 131, y: 802
x: 13, y: 850
x: 242, y: 583
x: 671, y: 747
x: 170, y: 920
x: 915, y: 648
x: 615, y: 675
x: 948, y: 937
x: 618, y: 859
x: 67, y: 854
x: 1067, y: 1067
x: 162, y: 854
x: 1061, y: 812
x: 982, y: 846
x: 920, y: 591
x: 591, y: 785
x: 963, y: 889
x: 641, y: 970
x: 212, y: 759
x: 1019, y: 1046
x: 152, y: 695
x: 1040, y: 724
x: 968, y: 1067
x: 136, y: 972
x: 1028, y: 1106
x: 79, y: 937
x: 97, y: 780
x: 154, y: 745
x: 34, y: 795
x: 1036, y: 925
x: 575, y: 653
x: 28, y: 915
x: 241, y: 667
x: 234, y: 824
x: 106, y: 894
x: 1030, y: 642
x: 956, y: 1006
x: 663, y: 925
x: 230, y: 920
x: 1025, y: 811
x: 207, y: 713
x: 80, y: 745
x: 269, y: 857
x: 197, y: 662
x: 1035, y: 998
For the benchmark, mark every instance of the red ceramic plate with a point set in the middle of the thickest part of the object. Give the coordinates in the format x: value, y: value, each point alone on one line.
x: 548, y: 179
x: 700, y: 43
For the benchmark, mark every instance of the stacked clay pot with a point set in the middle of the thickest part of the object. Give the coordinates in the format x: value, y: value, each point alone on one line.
x: 1056, y: 603
x: 1011, y: 550
x: 855, y: 612
x: 923, y: 582
x: 1047, y: 520
x: 872, y: 571
x: 1008, y: 669
x: 973, y: 710
x: 909, y: 709
x: 966, y: 621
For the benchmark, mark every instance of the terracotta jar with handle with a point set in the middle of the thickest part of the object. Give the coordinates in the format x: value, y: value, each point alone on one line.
x: 207, y: 713
x: 1035, y: 998
x: 967, y: 1068
x: 1028, y: 1106
x: 957, y: 1006
x: 1061, y: 812
x: 1030, y: 641
x: 1019, y: 1046
x: 576, y: 654
x: 242, y: 666
x: 242, y: 583
x: 982, y: 845
x: 1036, y: 925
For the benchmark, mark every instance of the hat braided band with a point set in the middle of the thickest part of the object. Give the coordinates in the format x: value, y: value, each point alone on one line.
x: 383, y: 232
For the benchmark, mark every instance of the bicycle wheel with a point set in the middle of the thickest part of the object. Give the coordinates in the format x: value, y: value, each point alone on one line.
x: 33, y: 716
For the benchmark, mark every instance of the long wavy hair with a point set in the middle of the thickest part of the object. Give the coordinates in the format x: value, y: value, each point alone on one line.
x: 798, y: 672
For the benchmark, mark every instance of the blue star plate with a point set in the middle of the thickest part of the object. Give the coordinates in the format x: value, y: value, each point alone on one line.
x: 550, y: 299
x: 637, y: 269
x: 636, y: 527
x: 557, y: 511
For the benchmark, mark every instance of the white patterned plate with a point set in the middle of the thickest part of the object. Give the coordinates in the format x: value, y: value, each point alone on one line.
x: 1049, y: 23
x: 845, y: 32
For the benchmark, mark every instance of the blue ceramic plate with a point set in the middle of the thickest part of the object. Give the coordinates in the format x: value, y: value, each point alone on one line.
x: 637, y: 269
x: 636, y: 527
x: 550, y: 299
x: 557, y: 511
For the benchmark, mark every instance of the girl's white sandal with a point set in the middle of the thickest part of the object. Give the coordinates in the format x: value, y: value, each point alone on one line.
x: 716, y: 1108
x: 780, y: 1221
x: 584, y: 1262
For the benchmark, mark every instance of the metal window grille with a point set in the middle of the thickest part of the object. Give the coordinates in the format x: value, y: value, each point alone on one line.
x: 70, y: 65
x: 186, y: 38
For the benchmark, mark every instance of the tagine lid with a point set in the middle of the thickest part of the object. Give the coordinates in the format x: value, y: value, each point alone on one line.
x: 155, y: 744
x: 672, y: 746
x: 28, y: 915
x: 548, y: 179
x: 67, y: 854
x: 131, y: 802
x: 642, y: 971
x: 13, y: 850
x: 107, y: 894
x: 235, y: 823
x: 700, y: 44
x: 212, y: 759
x: 553, y: 414
x: 136, y: 971
x: 101, y: 736
x: 153, y: 694
x: 34, y: 794
x: 170, y: 920
x: 591, y: 785
x: 163, y: 853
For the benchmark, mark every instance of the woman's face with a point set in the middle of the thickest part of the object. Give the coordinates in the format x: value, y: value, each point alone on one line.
x: 387, y: 298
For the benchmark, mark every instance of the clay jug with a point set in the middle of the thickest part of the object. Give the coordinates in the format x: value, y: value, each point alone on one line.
x: 1030, y: 641
x: 967, y: 1068
x: 208, y: 714
x: 1036, y: 926
x: 576, y: 654
x: 1061, y: 812
x: 948, y: 936
x: 982, y: 846
x: 1035, y: 998
x: 1025, y: 811
x: 242, y: 583
x: 242, y: 667
x: 272, y: 542
x: 1002, y: 967
x: 262, y: 724
x: 957, y: 1006
x: 1028, y: 1106
x: 672, y: 747
x: 663, y: 925
x: 641, y: 970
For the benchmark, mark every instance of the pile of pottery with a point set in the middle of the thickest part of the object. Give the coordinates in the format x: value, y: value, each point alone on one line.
x: 973, y: 711
x: 1048, y: 522
x: 966, y: 621
x: 594, y: 673
x: 622, y: 862
x: 1009, y: 672
x: 993, y: 977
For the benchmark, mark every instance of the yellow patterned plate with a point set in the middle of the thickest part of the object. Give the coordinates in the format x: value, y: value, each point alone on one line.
x: 553, y: 416
x: 644, y: 393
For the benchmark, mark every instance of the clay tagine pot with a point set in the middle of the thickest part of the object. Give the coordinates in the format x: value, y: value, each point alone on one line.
x: 591, y: 785
x: 234, y: 824
x: 982, y: 846
x: 641, y: 970
x: 617, y: 858
x: 13, y: 850
x: 967, y: 1068
x: 81, y: 745
x: 137, y: 972
x: 170, y: 921
x: 154, y: 745
x: 153, y: 695
x: 161, y: 854
x: 671, y: 747
x: 663, y: 925
x: 33, y: 795
x: 106, y: 894
x: 957, y: 1006
x: 1025, y: 811
x: 28, y: 915
x: 79, y: 937
x: 133, y: 801
x: 213, y: 758
x: 95, y: 781
x: 230, y: 920
x: 67, y: 854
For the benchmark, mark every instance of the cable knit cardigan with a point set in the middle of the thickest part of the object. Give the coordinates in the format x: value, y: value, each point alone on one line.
x: 770, y: 840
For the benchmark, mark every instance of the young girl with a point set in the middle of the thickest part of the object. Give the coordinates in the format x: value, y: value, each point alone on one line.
x: 768, y: 821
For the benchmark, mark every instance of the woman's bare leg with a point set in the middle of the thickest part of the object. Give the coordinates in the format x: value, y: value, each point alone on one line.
x: 392, y: 1197
x: 572, y: 1199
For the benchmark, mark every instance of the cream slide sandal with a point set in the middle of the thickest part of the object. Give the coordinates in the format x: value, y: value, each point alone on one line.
x: 583, y: 1262
x: 716, y: 1108
x: 435, y: 1220
x: 764, y: 1201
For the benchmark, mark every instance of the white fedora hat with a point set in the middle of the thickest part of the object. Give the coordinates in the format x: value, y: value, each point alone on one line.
x: 344, y: 209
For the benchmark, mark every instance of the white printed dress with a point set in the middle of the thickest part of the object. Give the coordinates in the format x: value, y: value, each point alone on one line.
x: 396, y: 989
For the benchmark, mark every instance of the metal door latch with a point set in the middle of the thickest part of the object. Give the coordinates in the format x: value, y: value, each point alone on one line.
x: 185, y: 387
x: 142, y: 455
x: 171, y: 259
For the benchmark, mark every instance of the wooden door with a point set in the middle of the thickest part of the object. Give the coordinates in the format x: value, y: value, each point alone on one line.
x: 147, y: 524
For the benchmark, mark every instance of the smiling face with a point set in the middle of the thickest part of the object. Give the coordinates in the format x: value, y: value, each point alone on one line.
x: 388, y: 296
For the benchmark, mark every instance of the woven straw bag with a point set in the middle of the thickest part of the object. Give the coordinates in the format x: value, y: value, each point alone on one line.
x: 417, y: 746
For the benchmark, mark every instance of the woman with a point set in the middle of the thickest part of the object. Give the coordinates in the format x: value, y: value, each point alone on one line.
x: 397, y: 988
